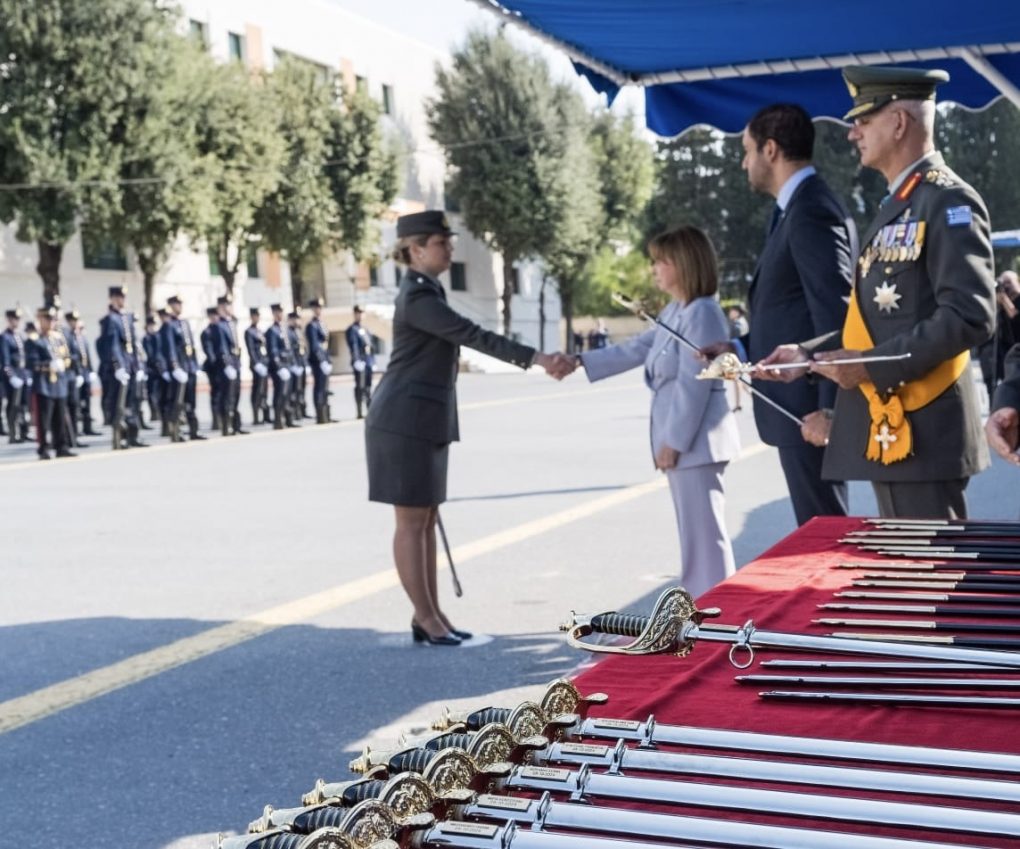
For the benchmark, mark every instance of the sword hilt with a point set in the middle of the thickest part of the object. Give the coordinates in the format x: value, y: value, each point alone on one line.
x: 358, y: 791
x: 665, y: 631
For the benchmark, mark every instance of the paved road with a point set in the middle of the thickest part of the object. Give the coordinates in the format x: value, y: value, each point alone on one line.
x: 189, y: 632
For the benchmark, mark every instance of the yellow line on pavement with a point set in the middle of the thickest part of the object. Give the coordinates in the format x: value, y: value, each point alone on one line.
x: 24, y: 710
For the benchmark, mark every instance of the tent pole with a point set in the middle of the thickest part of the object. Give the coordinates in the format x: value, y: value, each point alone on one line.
x: 989, y: 72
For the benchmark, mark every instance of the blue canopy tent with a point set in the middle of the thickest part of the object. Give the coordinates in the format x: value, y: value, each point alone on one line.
x: 716, y: 62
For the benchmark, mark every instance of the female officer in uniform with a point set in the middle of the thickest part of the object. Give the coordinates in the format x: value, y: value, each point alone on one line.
x: 413, y: 417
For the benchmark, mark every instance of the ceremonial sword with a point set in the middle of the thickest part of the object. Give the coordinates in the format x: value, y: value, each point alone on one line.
x: 934, y: 567
x: 1003, y: 645
x: 857, y: 682
x: 975, y: 584
x: 879, y: 666
x: 563, y: 699
x: 893, y: 699
x: 676, y: 624
x: 545, y: 813
x: 913, y: 624
x: 959, y: 575
x: 582, y: 784
x: 944, y: 597
x: 638, y: 310
x: 925, y: 609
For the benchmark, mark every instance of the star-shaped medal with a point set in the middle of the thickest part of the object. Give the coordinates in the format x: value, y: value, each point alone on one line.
x: 886, y: 297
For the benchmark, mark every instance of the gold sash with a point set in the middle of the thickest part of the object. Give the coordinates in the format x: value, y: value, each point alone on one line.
x: 890, y: 438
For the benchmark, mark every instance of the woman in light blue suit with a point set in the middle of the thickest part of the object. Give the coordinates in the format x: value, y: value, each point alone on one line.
x: 693, y: 432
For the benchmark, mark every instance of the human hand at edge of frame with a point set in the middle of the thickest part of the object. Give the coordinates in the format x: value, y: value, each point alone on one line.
x: 846, y: 377
x: 715, y: 349
x: 1003, y: 433
x: 782, y: 355
x: 816, y: 427
x: 557, y: 365
x: 666, y: 458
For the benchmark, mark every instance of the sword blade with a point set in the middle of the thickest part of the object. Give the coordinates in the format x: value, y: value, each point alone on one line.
x: 913, y: 624
x: 935, y: 567
x: 895, y: 699
x: 879, y: 666
x: 583, y: 784
x: 929, y: 609
x: 882, y: 682
x: 621, y: 759
x: 650, y: 732
x: 945, y: 598
x: 970, y: 645
x: 938, y: 585
x: 669, y: 827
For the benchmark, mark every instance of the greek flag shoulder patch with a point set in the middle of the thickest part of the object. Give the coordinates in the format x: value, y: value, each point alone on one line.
x: 958, y: 216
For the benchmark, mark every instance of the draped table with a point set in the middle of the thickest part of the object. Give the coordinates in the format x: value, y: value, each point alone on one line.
x: 781, y: 591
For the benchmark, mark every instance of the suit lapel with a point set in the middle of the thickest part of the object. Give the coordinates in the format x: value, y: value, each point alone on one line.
x: 776, y: 236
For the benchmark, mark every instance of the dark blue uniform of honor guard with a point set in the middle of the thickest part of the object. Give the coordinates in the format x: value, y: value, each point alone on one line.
x: 212, y: 346
x: 178, y: 344
x: 76, y: 380
x: 319, y: 361
x: 155, y: 366
x: 88, y: 372
x: 14, y: 378
x: 278, y: 351
x: 359, y: 342
x: 230, y: 421
x: 139, y: 389
x: 49, y: 361
x: 258, y: 359
x: 299, y: 352
x: 117, y: 363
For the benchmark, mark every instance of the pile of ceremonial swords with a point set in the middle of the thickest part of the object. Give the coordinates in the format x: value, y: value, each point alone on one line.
x: 938, y: 582
x: 547, y: 776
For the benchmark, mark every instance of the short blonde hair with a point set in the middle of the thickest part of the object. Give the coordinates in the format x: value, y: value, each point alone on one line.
x: 690, y: 251
x: 402, y: 250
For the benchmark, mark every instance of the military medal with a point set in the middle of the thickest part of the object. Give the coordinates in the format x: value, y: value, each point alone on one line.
x: 887, y: 297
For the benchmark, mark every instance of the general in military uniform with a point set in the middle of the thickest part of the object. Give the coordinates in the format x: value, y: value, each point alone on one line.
x: 923, y: 287
x: 14, y: 377
x: 258, y: 360
x: 49, y: 360
x: 359, y: 343
x: 319, y: 360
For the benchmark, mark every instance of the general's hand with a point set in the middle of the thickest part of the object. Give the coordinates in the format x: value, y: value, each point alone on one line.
x: 710, y: 352
x: 816, y: 427
x: 1003, y: 432
x: 784, y: 354
x: 666, y: 458
x: 846, y: 377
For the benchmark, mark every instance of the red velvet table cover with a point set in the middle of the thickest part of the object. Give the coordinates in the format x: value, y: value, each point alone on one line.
x: 781, y: 591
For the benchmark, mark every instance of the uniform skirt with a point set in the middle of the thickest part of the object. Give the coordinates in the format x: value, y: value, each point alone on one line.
x: 405, y: 471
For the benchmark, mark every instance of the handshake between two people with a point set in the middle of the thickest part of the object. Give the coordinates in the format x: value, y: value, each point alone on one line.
x: 557, y: 365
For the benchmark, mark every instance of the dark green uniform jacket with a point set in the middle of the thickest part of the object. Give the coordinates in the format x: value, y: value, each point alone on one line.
x: 932, y: 298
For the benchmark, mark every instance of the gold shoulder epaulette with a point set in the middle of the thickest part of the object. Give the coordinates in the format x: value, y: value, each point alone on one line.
x: 939, y: 178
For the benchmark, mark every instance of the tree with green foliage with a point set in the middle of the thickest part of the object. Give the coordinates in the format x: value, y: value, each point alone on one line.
x: 244, y: 154
x: 299, y: 216
x: 499, y: 119
x: 67, y: 74
x: 164, y: 185
x: 363, y: 174
x: 608, y: 183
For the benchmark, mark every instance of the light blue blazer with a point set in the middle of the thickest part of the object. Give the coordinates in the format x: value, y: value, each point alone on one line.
x: 691, y: 416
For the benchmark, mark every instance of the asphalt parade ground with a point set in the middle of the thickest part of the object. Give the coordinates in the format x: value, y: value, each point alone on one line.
x: 189, y: 632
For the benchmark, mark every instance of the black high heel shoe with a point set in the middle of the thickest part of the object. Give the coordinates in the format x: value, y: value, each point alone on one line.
x: 461, y: 635
x: 420, y: 635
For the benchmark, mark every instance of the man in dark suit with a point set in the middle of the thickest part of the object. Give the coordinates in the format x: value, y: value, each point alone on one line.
x: 798, y: 291
x: 925, y: 289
